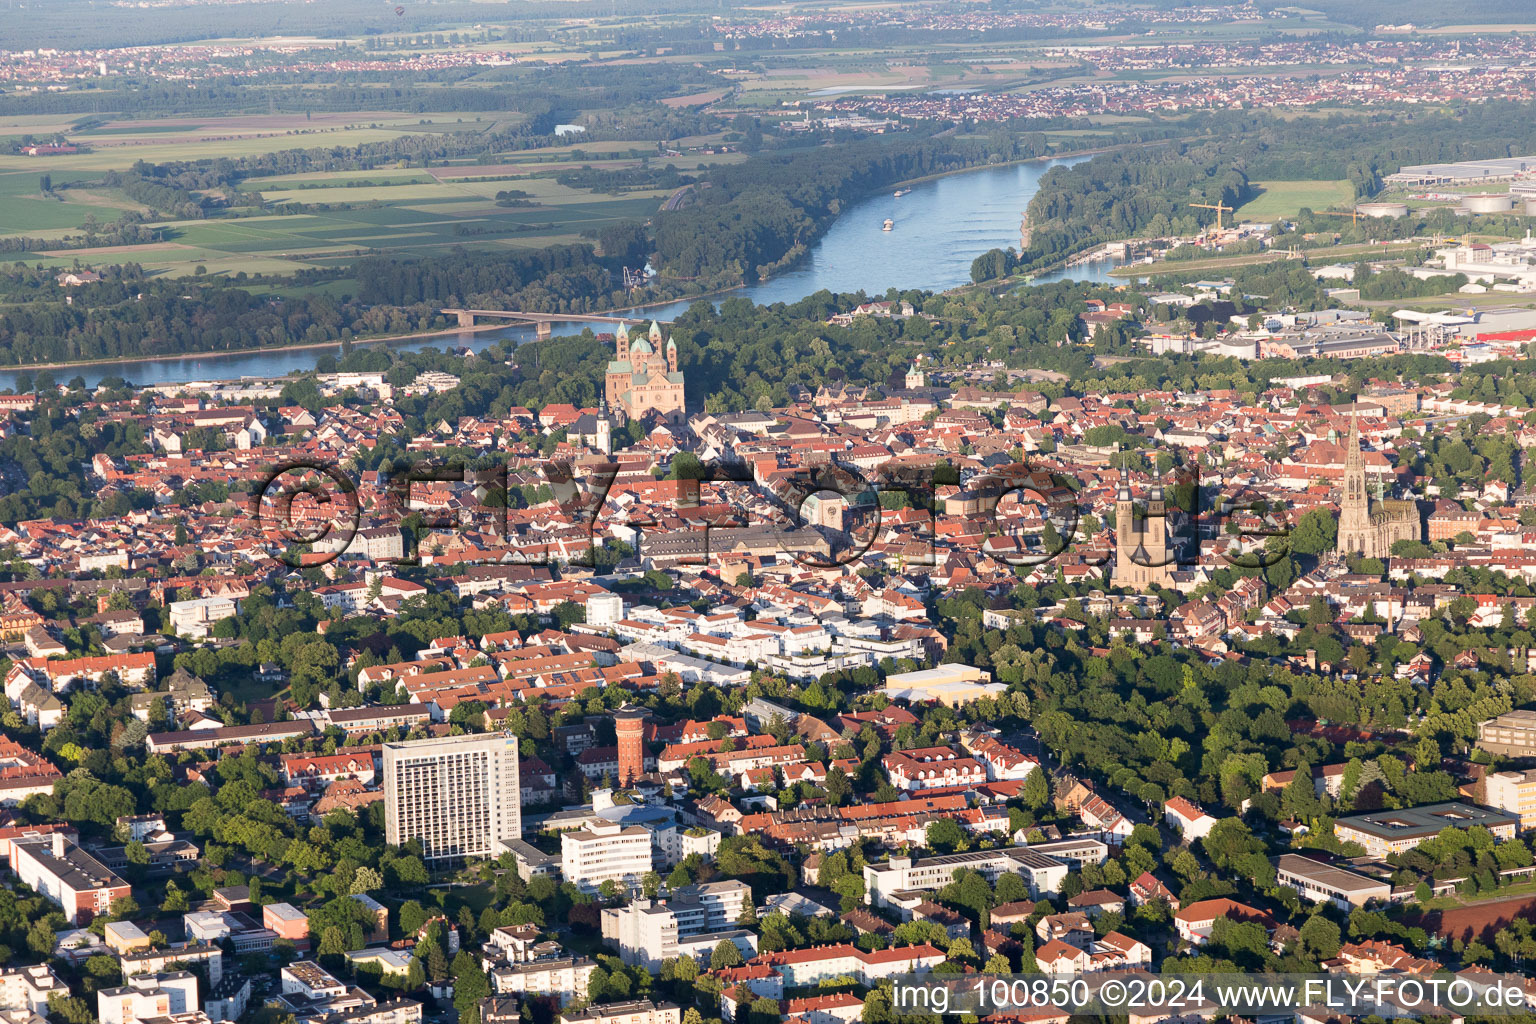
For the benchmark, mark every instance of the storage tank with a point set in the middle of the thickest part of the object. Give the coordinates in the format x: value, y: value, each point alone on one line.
x: 1530, y: 206
x: 1492, y: 202
x: 1385, y: 211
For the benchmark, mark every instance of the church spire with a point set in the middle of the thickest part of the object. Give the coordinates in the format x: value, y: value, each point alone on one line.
x: 1352, y: 456
x: 1354, y: 508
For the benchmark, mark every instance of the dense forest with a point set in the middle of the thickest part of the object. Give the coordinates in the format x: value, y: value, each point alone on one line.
x: 398, y: 281
x: 129, y: 315
x: 1115, y: 195
x: 756, y: 217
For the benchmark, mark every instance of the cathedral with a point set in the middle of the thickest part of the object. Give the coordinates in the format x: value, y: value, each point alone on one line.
x: 1364, y: 529
x: 1143, y: 552
x: 643, y: 377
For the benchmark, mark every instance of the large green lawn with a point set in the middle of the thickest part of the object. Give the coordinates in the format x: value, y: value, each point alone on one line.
x: 1286, y: 198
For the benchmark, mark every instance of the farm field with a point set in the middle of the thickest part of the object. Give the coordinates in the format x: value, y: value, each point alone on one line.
x: 116, y: 145
x: 282, y: 243
x: 323, y: 218
x: 1286, y: 198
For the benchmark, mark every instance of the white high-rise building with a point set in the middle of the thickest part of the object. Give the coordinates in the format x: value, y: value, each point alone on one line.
x: 459, y: 795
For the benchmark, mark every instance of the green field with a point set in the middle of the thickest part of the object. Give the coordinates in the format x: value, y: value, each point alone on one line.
x: 394, y: 208
x: 278, y: 242
x: 1286, y: 198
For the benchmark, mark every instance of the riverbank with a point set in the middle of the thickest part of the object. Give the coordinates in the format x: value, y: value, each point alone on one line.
x: 1073, y: 155
x: 315, y: 346
x: 786, y: 273
x: 940, y: 228
x: 1325, y: 254
x: 321, y: 346
x: 784, y: 269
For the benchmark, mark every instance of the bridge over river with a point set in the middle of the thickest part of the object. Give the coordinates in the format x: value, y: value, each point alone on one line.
x: 542, y: 321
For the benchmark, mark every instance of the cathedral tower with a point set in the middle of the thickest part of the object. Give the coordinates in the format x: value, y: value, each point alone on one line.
x: 1355, y: 503
x: 1142, y: 555
x: 1365, y: 529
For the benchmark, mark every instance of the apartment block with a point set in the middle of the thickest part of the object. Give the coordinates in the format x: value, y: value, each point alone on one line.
x: 79, y: 883
x: 459, y: 796
x: 563, y: 978
x: 899, y: 881
x: 28, y: 988
x: 197, y: 617
x: 1514, y: 792
x: 146, y: 997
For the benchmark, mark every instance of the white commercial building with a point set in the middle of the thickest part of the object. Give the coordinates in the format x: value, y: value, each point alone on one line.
x: 1319, y: 883
x: 896, y: 882
x: 952, y: 685
x: 604, y: 609
x: 603, y: 852
x: 692, y: 922
x: 195, y: 618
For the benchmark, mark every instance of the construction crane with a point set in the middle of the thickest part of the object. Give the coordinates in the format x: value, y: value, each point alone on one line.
x: 1218, y: 207
x: 1353, y: 215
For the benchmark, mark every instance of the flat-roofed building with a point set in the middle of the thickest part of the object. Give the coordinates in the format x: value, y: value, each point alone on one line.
x: 639, y: 1011
x: 564, y: 978
x: 1385, y: 832
x: 287, y: 922
x: 1319, y: 882
x: 156, y: 960
x: 885, y: 883
x: 58, y: 869
x: 694, y: 920
x: 28, y: 988
x: 308, y: 979
x: 603, y: 852
x: 1512, y: 734
x: 146, y: 997
x: 1078, y: 851
x: 951, y: 685
x: 459, y: 796
x: 531, y: 861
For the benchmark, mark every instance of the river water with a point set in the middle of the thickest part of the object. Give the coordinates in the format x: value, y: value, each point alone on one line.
x: 937, y: 230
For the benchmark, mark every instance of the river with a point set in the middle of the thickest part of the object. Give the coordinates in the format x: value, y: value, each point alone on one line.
x: 937, y: 230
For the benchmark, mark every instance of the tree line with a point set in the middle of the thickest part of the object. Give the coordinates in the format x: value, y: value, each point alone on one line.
x: 756, y: 217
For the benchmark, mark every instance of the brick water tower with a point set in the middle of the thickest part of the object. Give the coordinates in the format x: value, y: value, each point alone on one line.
x: 629, y: 727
